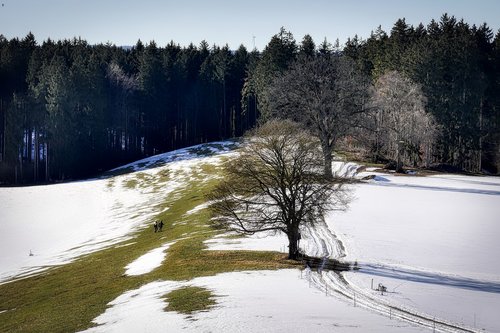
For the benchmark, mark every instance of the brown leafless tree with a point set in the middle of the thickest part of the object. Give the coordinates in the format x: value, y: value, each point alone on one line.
x: 276, y: 183
x: 327, y: 94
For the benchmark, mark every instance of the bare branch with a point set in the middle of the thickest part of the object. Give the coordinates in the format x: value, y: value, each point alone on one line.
x: 276, y: 183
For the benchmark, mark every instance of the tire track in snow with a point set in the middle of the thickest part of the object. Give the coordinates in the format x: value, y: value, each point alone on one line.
x: 322, y: 242
x: 326, y: 244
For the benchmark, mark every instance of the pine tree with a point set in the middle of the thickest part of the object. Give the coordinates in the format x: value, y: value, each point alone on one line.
x: 277, y: 56
x: 307, y: 47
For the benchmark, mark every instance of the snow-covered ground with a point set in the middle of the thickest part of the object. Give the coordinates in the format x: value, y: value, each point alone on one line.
x: 440, y: 223
x: 433, y: 241
x: 58, y: 223
x: 148, y: 262
x: 430, y: 240
x: 263, y: 301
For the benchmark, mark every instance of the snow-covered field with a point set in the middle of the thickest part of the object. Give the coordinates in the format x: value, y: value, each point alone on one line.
x: 263, y: 301
x: 57, y: 223
x: 431, y: 240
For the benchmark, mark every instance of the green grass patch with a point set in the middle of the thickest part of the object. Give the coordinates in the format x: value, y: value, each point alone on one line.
x: 110, y: 183
x: 68, y: 297
x: 130, y: 183
x: 164, y: 175
x: 190, y: 299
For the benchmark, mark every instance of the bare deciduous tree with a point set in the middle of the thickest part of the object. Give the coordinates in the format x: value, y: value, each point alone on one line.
x: 402, y: 127
x: 327, y: 94
x: 276, y: 184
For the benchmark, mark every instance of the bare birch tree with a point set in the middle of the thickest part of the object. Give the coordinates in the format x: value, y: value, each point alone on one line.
x: 276, y: 184
x: 404, y: 130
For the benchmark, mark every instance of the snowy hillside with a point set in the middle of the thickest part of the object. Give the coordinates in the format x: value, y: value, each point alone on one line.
x: 430, y: 240
x: 60, y: 222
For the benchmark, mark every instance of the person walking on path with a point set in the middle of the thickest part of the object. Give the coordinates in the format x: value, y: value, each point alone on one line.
x: 155, y: 225
x: 160, y: 225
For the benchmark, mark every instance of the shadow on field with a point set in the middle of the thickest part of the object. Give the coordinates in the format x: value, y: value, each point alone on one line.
x: 430, y: 278
x: 438, y: 188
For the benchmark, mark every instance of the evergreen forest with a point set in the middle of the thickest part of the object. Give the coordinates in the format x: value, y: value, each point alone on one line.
x: 70, y: 110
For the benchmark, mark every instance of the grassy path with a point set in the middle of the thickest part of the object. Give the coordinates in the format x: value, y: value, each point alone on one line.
x: 67, y: 298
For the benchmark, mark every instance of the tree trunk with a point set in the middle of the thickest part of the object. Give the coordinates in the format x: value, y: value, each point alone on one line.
x: 399, y: 162
x: 327, y: 155
x: 293, y: 243
x: 225, y: 121
x: 29, y: 137
x: 47, y: 172
x: 4, y: 129
x: 36, y: 157
x: 480, y: 157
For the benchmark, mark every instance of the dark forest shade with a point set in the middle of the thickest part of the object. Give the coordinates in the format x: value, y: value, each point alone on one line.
x: 69, y: 110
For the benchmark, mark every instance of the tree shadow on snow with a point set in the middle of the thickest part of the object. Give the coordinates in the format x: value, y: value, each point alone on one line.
x: 439, y: 188
x: 430, y: 278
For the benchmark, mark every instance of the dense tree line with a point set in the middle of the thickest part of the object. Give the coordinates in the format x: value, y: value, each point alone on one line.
x: 70, y: 110
x: 457, y: 67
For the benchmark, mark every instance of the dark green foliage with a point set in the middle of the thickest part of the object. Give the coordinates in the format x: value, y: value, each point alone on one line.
x: 277, y: 56
x: 456, y: 65
x: 307, y: 48
x: 70, y: 110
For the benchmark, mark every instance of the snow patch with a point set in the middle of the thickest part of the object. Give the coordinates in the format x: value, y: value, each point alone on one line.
x: 381, y: 179
x: 198, y: 151
x: 198, y: 208
x: 125, y: 245
x: 262, y: 301
x: 148, y: 262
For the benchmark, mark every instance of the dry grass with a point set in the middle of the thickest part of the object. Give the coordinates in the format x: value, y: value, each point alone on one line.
x: 67, y: 298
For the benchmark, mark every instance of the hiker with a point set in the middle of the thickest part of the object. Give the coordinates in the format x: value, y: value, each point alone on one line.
x: 156, y: 226
x: 160, y: 226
